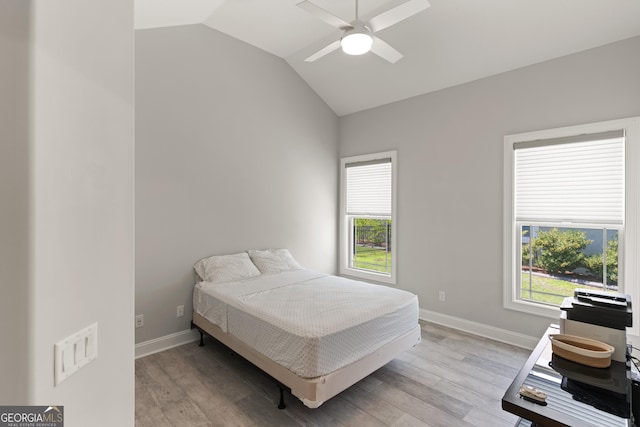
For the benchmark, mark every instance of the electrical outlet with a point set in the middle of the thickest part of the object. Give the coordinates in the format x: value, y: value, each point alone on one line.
x: 180, y: 311
x: 139, y: 321
x: 441, y: 296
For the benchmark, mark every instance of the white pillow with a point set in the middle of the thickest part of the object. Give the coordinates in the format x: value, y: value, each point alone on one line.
x: 226, y: 268
x: 273, y: 260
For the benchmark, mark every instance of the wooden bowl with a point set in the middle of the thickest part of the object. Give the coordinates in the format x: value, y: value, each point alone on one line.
x: 582, y: 350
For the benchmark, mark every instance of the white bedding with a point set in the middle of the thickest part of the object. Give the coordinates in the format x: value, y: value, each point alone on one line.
x: 309, y: 322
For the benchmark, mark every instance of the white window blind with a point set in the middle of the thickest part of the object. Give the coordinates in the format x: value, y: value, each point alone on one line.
x: 575, y: 179
x: 369, y: 188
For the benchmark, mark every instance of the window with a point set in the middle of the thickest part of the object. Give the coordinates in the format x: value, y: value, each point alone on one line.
x: 570, y: 213
x: 367, y: 223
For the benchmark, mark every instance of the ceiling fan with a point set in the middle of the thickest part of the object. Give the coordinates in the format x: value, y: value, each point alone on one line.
x: 358, y: 36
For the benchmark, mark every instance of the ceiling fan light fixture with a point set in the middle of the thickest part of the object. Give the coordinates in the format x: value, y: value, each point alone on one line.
x: 356, y: 42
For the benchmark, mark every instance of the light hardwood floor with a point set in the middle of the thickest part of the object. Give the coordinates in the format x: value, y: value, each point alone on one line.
x: 450, y: 379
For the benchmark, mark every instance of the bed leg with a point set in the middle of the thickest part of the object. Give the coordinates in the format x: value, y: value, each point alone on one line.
x: 281, y: 405
x: 193, y: 325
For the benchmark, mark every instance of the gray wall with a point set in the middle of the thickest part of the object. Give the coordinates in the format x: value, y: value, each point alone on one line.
x: 14, y: 208
x: 233, y: 151
x: 450, y: 168
x: 67, y: 202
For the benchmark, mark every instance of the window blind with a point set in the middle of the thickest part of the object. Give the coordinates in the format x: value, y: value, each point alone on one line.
x: 369, y: 188
x: 577, y: 179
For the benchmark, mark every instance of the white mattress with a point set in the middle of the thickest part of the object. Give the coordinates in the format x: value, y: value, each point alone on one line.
x: 309, y: 322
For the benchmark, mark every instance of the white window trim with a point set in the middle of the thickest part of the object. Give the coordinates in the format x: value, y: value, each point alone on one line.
x: 344, y: 222
x: 631, y: 237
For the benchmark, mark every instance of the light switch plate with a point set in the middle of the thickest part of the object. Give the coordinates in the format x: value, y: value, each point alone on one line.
x: 74, y: 352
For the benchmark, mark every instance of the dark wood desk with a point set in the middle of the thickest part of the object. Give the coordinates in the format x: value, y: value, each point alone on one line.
x: 577, y: 395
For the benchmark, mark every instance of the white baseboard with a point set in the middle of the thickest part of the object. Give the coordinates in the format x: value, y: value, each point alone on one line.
x: 166, y: 342
x: 480, y: 329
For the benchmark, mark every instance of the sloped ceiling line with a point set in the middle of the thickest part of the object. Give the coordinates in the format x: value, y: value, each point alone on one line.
x: 452, y: 42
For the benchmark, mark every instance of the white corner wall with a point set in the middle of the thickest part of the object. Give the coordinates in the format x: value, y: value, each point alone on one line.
x: 450, y: 146
x: 70, y: 188
x: 234, y: 151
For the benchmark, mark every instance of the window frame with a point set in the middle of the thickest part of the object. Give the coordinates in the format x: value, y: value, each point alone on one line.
x: 630, y: 233
x: 346, y: 233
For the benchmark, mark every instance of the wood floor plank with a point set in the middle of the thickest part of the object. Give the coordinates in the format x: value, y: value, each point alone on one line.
x: 427, y: 394
x: 163, y: 389
x: 437, y: 363
x: 413, y: 372
x: 481, y: 418
x: 421, y: 410
x: 464, y: 393
x: 216, y: 406
x: 451, y: 378
x: 407, y: 420
x: 154, y: 419
x: 319, y: 417
x: 263, y: 412
x: 185, y: 412
x: 454, y: 372
x: 383, y: 411
x: 502, y: 382
x: 147, y: 411
x: 176, y: 362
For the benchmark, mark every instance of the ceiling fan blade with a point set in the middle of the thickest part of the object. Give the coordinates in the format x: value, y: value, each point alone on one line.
x: 324, y: 51
x: 397, y: 14
x: 324, y: 15
x: 384, y: 51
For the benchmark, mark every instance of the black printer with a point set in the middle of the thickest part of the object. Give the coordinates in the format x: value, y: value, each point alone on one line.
x: 608, y: 309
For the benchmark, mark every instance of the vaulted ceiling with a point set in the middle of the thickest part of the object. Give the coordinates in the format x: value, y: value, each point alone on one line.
x: 449, y: 43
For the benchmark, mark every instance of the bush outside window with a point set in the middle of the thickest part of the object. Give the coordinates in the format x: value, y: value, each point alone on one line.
x: 557, y: 260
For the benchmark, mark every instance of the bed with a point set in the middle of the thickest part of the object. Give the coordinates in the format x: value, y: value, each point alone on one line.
x: 314, y: 333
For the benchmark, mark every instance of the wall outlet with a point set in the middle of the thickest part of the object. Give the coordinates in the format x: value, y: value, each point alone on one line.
x: 139, y: 320
x: 180, y: 311
x: 441, y: 296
